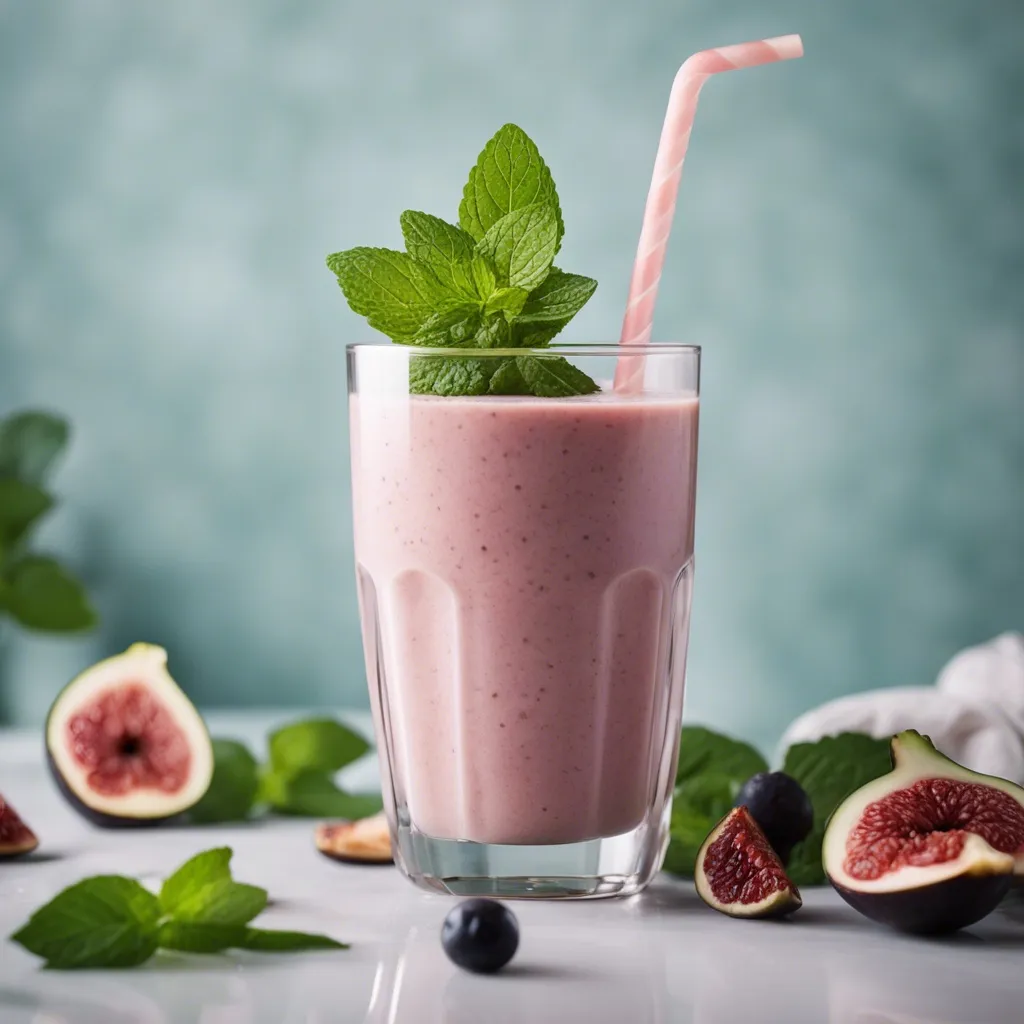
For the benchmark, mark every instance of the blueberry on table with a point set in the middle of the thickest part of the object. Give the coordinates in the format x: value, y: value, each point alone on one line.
x: 480, y: 935
x: 778, y: 803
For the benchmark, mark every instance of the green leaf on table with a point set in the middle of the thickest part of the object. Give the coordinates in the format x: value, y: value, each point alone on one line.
x: 395, y: 292
x: 202, y: 891
x: 703, y: 750
x: 232, y: 790
x: 509, y: 174
x: 29, y: 444
x: 106, y: 921
x: 198, y: 872
x: 522, y: 245
x: 41, y: 594
x: 316, y: 795
x: 558, y: 299
x: 265, y: 940
x: 699, y: 803
x: 316, y: 744
x: 192, y: 937
x: 21, y: 505
x: 829, y: 771
x: 554, y: 377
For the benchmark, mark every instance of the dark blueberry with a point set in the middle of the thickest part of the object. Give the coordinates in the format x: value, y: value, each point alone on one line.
x: 780, y: 806
x: 480, y: 935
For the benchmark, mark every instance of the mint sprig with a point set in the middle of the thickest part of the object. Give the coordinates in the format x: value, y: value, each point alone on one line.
x: 487, y: 283
x: 297, y: 779
x: 113, y: 921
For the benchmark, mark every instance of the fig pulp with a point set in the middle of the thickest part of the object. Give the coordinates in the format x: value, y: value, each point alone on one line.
x: 16, y: 837
x: 366, y: 841
x: 125, y: 744
x: 739, y: 874
x: 930, y: 847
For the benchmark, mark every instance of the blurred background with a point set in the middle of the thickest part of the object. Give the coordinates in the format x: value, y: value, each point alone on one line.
x: 849, y: 250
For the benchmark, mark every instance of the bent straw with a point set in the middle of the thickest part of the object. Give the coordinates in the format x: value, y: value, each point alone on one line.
x: 668, y: 168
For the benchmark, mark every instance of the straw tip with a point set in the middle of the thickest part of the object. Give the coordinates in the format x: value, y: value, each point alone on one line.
x: 787, y: 47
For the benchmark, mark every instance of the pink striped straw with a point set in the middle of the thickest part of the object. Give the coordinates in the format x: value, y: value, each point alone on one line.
x: 668, y: 169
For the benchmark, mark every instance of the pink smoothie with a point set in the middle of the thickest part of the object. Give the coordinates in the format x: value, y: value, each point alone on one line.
x: 521, y: 566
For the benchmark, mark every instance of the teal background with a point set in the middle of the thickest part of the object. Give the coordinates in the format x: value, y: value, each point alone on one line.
x: 849, y: 249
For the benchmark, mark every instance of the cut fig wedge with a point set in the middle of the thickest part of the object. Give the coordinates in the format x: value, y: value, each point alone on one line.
x: 929, y: 848
x: 739, y: 874
x: 16, y: 838
x: 366, y: 841
x: 124, y: 743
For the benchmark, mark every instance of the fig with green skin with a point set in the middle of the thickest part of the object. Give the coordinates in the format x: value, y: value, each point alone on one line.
x: 124, y: 743
x: 929, y: 848
x: 16, y: 838
x: 739, y: 874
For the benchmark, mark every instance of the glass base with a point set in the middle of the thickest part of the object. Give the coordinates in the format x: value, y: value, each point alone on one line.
x: 617, y: 866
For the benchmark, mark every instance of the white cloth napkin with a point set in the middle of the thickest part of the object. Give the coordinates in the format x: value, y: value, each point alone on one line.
x: 974, y: 713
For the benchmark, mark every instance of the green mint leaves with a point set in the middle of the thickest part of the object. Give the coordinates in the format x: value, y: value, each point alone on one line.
x: 713, y: 767
x: 830, y: 770
x: 298, y: 778
x: 35, y: 590
x: 111, y: 921
x: 487, y: 283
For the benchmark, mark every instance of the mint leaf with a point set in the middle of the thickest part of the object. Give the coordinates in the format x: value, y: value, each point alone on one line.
x: 485, y: 277
x: 395, y: 292
x: 202, y: 891
x: 190, y: 937
x: 558, y: 299
x: 830, y: 770
x: 507, y: 380
x: 315, y: 795
x: 232, y: 790
x: 40, y: 594
x: 554, y: 377
x: 202, y: 870
x: 29, y: 444
x: 699, y: 803
x: 106, y: 921
x: 522, y: 245
x: 434, y: 241
x: 454, y: 328
x: 509, y: 174
x: 506, y: 300
x: 21, y: 504
x: 451, y: 375
x: 702, y: 750
x: 264, y: 940
x: 317, y: 744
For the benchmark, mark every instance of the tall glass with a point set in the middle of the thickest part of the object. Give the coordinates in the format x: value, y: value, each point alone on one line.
x: 525, y: 569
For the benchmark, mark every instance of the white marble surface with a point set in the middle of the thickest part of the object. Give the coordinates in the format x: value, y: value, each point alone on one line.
x: 654, y: 959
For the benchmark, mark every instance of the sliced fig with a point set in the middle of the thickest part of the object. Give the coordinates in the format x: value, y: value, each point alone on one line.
x: 16, y: 837
x: 739, y: 874
x: 124, y: 743
x: 366, y: 841
x: 929, y: 848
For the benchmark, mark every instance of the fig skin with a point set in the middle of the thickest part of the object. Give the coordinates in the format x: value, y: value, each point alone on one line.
x: 935, y: 909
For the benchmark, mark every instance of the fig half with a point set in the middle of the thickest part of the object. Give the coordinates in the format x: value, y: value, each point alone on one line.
x: 365, y: 841
x: 929, y: 848
x: 124, y: 743
x: 739, y: 874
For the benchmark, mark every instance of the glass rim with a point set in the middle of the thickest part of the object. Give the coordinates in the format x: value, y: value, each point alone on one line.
x: 602, y: 348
